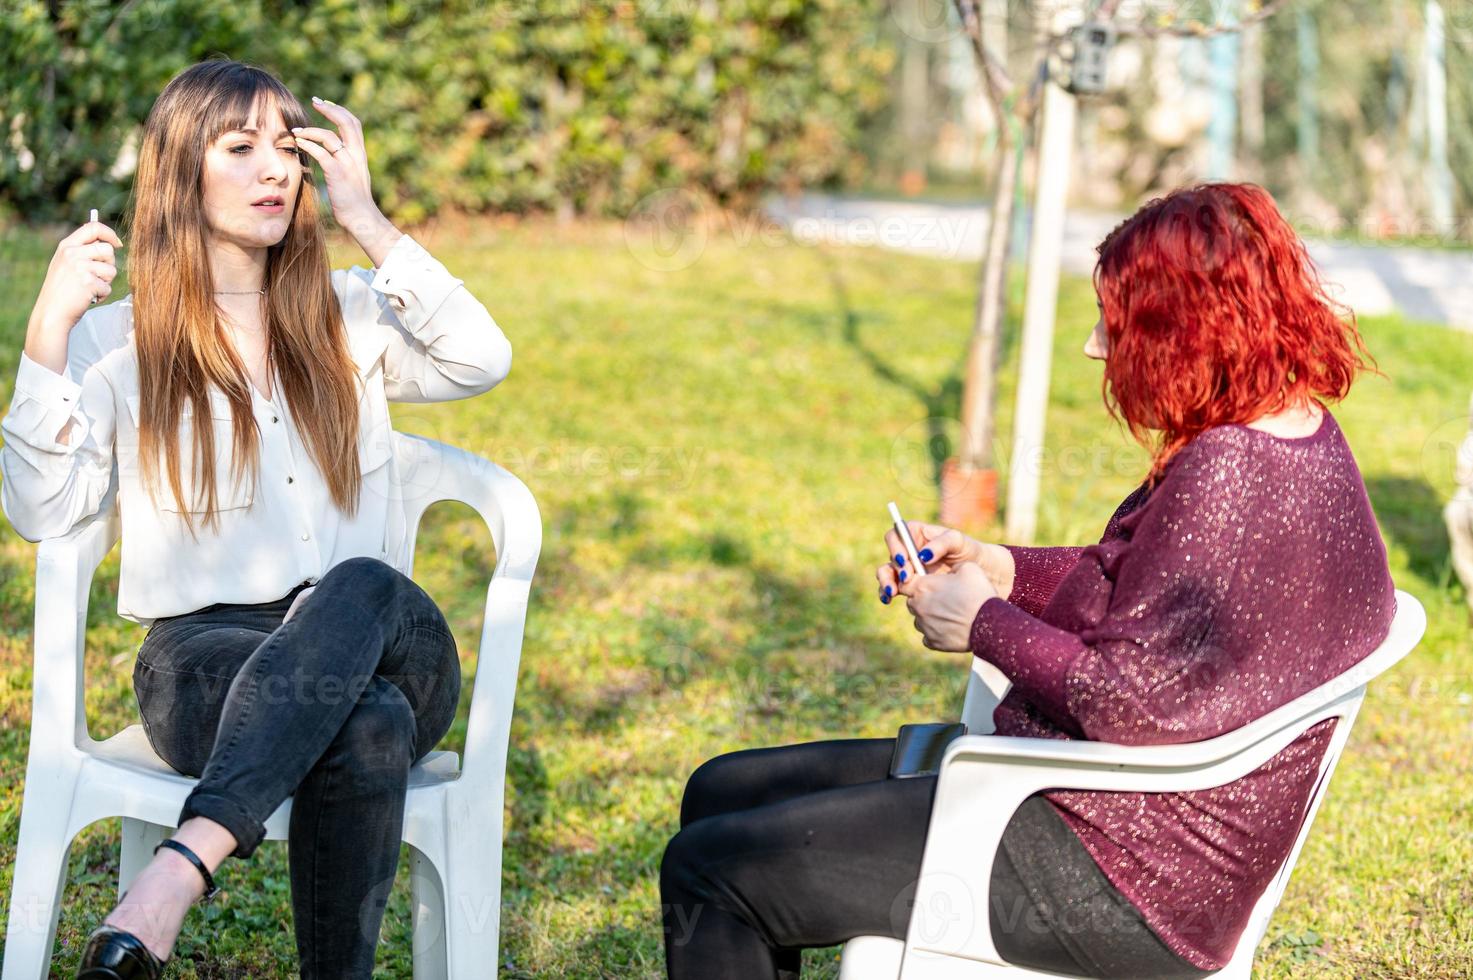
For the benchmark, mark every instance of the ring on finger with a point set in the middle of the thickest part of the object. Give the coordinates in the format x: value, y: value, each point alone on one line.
x: 335, y: 149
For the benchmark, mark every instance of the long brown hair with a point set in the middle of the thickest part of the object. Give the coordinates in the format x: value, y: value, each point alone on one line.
x: 182, y: 345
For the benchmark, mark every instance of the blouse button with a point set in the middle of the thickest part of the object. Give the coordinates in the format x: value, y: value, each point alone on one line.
x: 305, y: 537
x: 275, y: 419
x: 290, y: 480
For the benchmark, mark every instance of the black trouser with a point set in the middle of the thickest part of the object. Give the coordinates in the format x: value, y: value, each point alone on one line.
x: 810, y: 845
x: 332, y: 708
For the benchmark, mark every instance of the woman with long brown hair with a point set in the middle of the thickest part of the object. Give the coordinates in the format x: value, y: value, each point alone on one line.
x: 238, y: 395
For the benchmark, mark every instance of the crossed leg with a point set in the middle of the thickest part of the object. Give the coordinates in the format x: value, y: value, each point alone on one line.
x: 333, y: 706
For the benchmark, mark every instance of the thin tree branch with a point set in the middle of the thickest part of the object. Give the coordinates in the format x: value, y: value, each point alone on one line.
x: 994, y: 73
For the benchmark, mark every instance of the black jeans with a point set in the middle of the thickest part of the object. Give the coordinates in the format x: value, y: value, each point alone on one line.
x: 332, y: 708
x: 810, y: 845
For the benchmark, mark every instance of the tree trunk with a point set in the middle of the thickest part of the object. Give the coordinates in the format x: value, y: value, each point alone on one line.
x: 979, y: 395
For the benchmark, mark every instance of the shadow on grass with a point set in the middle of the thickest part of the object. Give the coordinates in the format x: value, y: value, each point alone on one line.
x: 530, y: 789
x: 1410, y: 511
x: 811, y: 652
x: 939, y: 403
x: 816, y: 664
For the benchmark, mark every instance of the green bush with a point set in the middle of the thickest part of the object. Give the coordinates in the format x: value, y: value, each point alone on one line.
x: 570, y: 106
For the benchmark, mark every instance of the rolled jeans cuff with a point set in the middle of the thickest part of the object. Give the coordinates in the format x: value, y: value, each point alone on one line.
x: 228, y: 813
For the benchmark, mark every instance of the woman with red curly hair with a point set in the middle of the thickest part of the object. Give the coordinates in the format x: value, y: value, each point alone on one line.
x: 1244, y: 571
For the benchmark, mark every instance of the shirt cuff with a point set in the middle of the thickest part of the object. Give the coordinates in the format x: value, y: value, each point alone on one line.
x: 1035, y: 656
x: 44, y: 402
x: 416, y: 283
x: 45, y: 385
x: 1037, y: 573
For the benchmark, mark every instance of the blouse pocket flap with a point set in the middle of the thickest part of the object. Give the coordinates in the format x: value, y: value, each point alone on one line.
x: 220, y: 407
x: 230, y: 494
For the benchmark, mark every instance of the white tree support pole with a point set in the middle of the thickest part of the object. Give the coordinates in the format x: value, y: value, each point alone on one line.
x: 1440, y: 175
x: 1040, y: 303
x: 1222, y: 128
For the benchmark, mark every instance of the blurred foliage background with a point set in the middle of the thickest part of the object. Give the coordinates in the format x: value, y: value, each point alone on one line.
x: 566, y: 106
x: 586, y: 107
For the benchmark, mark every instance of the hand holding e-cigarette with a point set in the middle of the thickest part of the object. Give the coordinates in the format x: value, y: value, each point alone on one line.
x: 902, y: 531
x: 80, y: 274
x: 916, y: 548
x: 944, y: 606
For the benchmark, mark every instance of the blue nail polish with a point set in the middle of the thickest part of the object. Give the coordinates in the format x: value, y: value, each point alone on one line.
x: 926, y: 554
x: 900, y: 560
x: 902, y: 576
x: 885, y: 600
x: 888, y: 592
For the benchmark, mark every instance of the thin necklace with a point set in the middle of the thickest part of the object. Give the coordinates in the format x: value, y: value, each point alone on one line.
x: 270, y: 352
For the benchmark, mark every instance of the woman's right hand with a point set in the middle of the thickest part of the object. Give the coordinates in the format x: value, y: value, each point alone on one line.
x: 942, y: 549
x: 82, y: 269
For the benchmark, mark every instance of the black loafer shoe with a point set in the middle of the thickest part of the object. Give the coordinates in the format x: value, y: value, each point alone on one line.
x: 114, y: 954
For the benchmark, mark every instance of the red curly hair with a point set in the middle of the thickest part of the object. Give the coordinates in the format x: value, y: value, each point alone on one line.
x: 1215, y: 314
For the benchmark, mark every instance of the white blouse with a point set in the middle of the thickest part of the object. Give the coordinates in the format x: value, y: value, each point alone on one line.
x: 416, y: 335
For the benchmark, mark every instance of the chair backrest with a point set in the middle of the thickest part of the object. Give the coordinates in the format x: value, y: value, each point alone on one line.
x: 427, y: 472
x: 1339, y: 698
x: 65, y: 567
x: 430, y: 472
x: 1268, y: 901
x: 1407, y: 628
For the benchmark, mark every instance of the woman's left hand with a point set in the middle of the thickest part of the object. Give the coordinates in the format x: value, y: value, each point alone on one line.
x: 944, y: 605
x: 301, y: 597
x: 349, y: 186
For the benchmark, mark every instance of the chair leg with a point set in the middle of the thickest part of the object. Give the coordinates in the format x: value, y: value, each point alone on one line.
x: 35, y: 893
x: 139, y: 839
x: 431, y: 953
x: 471, y: 883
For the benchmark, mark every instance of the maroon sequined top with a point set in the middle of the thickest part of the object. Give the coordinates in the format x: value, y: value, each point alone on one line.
x: 1253, y: 573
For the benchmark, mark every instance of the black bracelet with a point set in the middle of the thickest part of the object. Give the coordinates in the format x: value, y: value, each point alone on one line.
x: 173, y: 845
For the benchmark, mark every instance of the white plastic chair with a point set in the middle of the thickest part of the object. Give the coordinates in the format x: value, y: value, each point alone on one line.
x: 984, y: 778
x: 453, y: 814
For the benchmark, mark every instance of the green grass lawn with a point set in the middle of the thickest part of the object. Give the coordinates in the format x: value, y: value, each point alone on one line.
x: 712, y: 448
